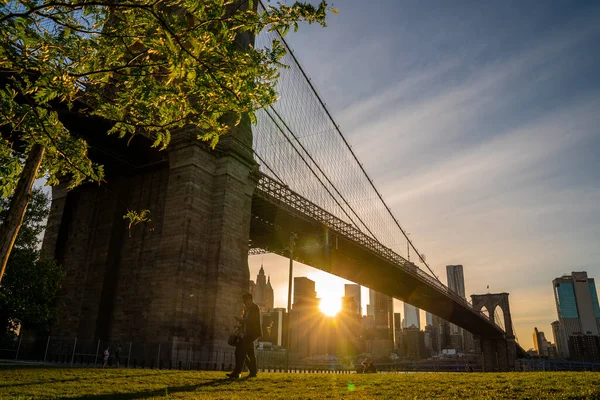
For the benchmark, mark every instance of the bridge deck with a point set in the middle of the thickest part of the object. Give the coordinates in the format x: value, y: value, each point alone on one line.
x: 332, y: 245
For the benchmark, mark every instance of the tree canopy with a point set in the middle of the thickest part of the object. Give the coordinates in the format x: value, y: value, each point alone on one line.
x: 150, y: 67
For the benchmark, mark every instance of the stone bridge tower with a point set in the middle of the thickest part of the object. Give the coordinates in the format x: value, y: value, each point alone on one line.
x: 499, y: 354
x: 176, y: 280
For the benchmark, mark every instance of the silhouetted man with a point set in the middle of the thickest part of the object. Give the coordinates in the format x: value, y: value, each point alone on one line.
x: 250, y: 331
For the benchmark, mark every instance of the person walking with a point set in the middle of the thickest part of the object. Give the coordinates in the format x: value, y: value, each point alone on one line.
x: 106, y: 356
x: 251, y: 330
x: 118, y: 356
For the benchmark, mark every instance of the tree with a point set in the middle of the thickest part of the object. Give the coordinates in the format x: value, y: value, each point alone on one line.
x: 28, y: 292
x: 151, y: 67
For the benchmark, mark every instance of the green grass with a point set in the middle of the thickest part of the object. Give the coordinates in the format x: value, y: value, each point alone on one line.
x: 58, y: 383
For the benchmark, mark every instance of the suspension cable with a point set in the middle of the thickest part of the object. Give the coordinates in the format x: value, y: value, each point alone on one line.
x: 329, y: 115
x: 322, y: 172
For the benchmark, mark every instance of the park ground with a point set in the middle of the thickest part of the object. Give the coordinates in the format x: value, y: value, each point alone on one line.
x: 99, y: 384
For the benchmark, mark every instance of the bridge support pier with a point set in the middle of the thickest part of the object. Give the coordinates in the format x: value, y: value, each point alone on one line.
x: 488, y: 352
x: 499, y: 354
x: 176, y: 281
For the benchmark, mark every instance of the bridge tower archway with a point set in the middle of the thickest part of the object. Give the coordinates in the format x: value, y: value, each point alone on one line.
x: 499, y: 354
x: 485, y: 311
x: 491, y: 301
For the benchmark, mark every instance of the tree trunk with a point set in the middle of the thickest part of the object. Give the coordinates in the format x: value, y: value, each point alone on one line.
x: 18, y: 204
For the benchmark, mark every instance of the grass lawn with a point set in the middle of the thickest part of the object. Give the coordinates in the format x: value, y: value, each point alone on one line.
x: 59, y: 383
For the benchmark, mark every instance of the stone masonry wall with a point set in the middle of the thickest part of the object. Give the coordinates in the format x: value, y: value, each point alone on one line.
x: 177, y: 279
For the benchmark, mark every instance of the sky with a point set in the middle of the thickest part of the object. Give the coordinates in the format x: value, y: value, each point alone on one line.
x: 479, y: 121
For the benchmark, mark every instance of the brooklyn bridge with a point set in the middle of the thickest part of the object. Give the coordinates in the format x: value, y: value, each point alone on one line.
x: 178, y: 278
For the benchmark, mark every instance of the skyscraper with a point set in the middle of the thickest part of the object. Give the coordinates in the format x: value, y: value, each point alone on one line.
x: 397, y: 330
x: 540, y: 344
x: 262, y: 291
x: 382, y: 307
x: 456, y: 283
x: 578, y: 315
x: 412, y: 316
x: 352, y: 290
x: 371, y: 305
x: 269, y: 295
x: 577, y: 304
x: 304, y: 290
x: 428, y: 319
x: 560, y: 339
x: 305, y: 319
x: 456, y: 279
x: 397, y: 321
x: 349, y: 305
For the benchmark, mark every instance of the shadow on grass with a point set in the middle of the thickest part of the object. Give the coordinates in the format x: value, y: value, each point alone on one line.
x: 159, y: 392
x: 52, y: 381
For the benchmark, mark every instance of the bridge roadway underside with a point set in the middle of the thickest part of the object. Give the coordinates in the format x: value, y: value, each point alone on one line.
x: 272, y: 225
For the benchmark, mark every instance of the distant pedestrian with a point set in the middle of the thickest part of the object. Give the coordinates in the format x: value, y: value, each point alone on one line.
x: 250, y: 330
x: 106, y: 356
x: 368, y: 367
x: 118, y: 356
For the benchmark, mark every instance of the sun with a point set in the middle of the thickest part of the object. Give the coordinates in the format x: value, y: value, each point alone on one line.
x: 330, y: 306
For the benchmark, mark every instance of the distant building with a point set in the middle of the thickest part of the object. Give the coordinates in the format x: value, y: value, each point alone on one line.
x: 436, y: 334
x: 456, y: 342
x: 456, y: 283
x: 429, y: 339
x: 562, y: 346
x: 367, y: 322
x: 456, y: 279
x: 348, y: 328
x: 379, y: 347
x: 306, y: 321
x: 540, y: 344
x: 397, y: 321
x: 584, y: 348
x: 397, y: 329
x: 349, y: 305
x: 412, y: 316
x: 262, y: 291
x: 445, y: 342
x: 428, y: 318
x: 269, y: 295
x: 413, y: 344
x: 304, y: 290
x: 371, y: 305
x: 578, y: 314
x: 353, y: 290
x: 552, y: 351
x: 383, y: 313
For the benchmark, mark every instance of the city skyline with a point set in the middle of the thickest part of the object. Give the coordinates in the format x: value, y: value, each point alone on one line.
x: 331, y: 289
x: 482, y: 139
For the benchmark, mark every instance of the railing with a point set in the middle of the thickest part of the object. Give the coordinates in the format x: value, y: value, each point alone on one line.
x: 72, y: 351
x: 75, y: 352
x: 276, y: 192
x: 556, y: 365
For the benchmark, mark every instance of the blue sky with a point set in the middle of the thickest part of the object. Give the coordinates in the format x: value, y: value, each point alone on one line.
x: 479, y: 122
